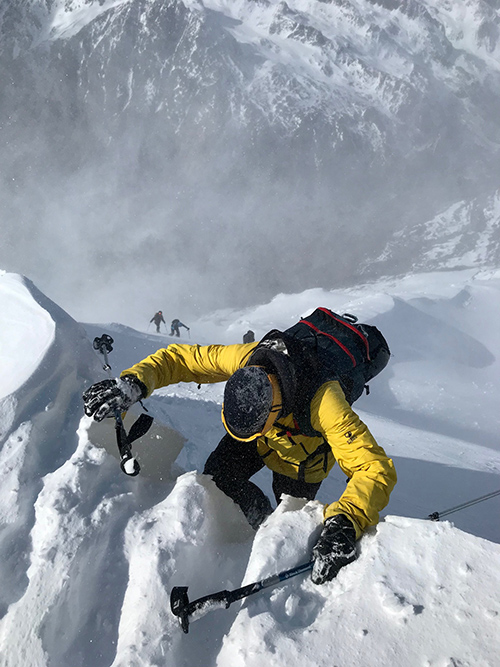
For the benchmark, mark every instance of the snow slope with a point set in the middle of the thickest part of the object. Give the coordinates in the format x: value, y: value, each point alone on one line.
x: 88, y: 556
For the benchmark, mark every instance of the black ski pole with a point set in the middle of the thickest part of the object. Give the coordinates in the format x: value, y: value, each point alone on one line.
x: 435, y: 516
x: 186, y: 610
x: 104, y: 344
x: 128, y: 463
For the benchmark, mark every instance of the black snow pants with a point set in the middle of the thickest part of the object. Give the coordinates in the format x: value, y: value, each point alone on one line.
x: 231, y: 465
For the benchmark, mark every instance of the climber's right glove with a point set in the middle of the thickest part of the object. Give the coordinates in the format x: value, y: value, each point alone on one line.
x: 107, y: 397
x: 336, y: 547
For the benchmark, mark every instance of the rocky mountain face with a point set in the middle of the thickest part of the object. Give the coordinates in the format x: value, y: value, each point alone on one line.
x: 262, y: 146
x: 465, y: 235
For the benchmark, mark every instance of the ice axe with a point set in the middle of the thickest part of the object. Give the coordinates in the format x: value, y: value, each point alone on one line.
x: 124, y: 440
x: 186, y: 610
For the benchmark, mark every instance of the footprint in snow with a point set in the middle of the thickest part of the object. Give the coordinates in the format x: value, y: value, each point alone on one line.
x: 396, y: 603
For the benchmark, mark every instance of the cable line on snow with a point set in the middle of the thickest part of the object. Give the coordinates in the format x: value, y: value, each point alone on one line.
x: 435, y: 516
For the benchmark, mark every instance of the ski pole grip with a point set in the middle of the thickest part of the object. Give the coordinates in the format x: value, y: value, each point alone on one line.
x: 128, y: 463
x: 130, y: 466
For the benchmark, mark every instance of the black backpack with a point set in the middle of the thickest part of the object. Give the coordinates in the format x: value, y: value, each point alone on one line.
x: 323, y: 346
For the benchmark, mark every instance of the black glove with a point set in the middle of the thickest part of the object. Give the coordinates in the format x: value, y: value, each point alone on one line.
x: 104, y: 398
x: 336, y: 547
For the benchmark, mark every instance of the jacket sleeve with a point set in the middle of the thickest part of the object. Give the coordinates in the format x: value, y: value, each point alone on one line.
x: 371, y: 473
x: 190, y: 363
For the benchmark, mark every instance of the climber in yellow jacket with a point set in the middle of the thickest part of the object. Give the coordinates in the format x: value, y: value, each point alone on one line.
x: 262, y: 431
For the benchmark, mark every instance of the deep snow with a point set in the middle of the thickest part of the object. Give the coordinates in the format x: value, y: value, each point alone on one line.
x: 88, y: 556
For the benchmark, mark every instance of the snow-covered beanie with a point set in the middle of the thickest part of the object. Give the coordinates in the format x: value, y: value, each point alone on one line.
x: 248, y: 399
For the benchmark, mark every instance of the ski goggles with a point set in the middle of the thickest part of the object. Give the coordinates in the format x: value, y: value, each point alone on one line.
x: 274, y: 411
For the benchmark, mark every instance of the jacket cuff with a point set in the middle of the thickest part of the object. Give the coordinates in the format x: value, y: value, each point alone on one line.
x: 136, y: 381
x: 329, y: 511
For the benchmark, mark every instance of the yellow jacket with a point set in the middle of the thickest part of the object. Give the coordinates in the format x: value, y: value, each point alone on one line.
x: 370, y: 472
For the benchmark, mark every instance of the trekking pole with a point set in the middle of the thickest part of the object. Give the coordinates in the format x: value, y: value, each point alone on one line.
x: 186, y: 610
x: 124, y: 440
x: 104, y: 344
x: 435, y: 516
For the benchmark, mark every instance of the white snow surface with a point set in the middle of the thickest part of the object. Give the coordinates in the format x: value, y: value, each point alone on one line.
x: 26, y: 326
x: 89, y: 556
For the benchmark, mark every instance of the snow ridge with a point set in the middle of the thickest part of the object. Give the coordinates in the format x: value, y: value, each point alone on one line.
x: 88, y: 556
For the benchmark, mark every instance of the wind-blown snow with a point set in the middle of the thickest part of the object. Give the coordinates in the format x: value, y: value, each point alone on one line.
x: 88, y: 556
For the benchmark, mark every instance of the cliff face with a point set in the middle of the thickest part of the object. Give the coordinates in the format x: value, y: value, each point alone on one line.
x: 264, y: 131
x: 465, y: 235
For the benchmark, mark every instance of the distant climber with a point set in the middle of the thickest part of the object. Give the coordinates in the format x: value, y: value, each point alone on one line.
x: 249, y: 337
x: 174, y: 327
x: 157, y: 319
